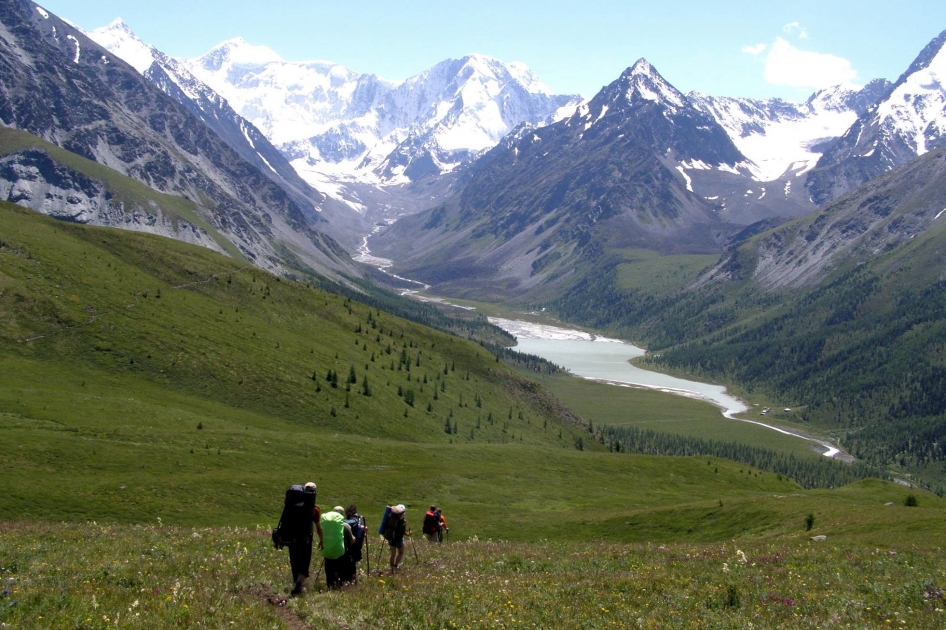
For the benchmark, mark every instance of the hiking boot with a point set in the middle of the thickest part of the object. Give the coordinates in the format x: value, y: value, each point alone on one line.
x: 297, y: 590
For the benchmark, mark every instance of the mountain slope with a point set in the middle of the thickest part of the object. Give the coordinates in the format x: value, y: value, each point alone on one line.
x: 908, y: 122
x: 610, y: 176
x: 139, y: 313
x: 785, y: 138
x: 57, y: 84
x: 884, y: 215
x: 174, y: 80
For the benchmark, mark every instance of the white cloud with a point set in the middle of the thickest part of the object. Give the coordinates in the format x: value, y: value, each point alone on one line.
x: 755, y: 50
x: 794, y: 28
x: 787, y: 65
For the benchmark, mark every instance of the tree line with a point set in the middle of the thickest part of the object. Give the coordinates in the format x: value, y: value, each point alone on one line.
x: 809, y: 472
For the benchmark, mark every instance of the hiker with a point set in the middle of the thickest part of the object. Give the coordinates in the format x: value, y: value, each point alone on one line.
x: 432, y: 526
x: 395, y: 528
x: 338, y: 538
x: 295, y: 530
x: 359, y: 532
x: 442, y: 525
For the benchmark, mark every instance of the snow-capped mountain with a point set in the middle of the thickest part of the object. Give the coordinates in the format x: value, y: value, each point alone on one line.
x: 545, y: 198
x: 335, y: 124
x: 779, y: 136
x: 908, y: 121
x: 177, y: 82
x: 102, y: 145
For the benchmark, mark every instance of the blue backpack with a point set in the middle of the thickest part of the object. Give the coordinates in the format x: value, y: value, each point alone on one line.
x: 358, y: 531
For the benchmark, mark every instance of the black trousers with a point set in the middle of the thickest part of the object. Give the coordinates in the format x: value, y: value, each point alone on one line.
x: 338, y: 571
x: 300, y: 557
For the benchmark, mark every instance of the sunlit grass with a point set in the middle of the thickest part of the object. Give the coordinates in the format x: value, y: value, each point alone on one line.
x: 94, y: 576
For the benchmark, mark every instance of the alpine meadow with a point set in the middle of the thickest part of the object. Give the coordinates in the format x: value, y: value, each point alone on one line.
x: 226, y: 276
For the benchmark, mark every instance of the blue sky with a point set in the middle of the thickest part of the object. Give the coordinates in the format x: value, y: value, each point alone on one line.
x: 733, y: 48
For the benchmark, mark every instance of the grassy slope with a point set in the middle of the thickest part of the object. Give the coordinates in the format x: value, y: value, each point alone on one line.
x: 864, y: 576
x: 653, y: 274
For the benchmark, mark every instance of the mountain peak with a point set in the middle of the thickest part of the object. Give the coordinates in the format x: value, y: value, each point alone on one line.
x: 118, y: 24
x: 642, y: 82
x: 492, y: 69
x: 118, y: 38
x: 641, y: 66
x: 237, y: 51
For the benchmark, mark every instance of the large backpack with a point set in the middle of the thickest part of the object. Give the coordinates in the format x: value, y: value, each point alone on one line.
x: 431, y: 523
x: 391, y: 524
x: 358, y: 531
x: 384, y: 520
x: 295, y: 524
x: 333, y: 530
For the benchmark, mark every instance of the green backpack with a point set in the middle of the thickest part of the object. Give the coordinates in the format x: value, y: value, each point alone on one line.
x: 333, y: 532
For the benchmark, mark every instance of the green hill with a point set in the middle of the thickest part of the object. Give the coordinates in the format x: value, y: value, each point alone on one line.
x: 124, y: 351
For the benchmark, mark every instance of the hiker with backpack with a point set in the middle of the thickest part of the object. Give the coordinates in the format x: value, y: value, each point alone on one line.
x: 394, y: 529
x: 359, y: 531
x: 295, y: 531
x: 338, y: 539
x: 434, y: 524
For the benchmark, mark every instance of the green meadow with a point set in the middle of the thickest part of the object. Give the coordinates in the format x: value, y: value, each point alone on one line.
x: 658, y: 411
x: 156, y: 399
x: 93, y: 575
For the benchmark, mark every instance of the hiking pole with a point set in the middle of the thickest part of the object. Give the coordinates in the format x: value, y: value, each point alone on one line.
x: 367, y: 550
x: 318, y: 573
x: 414, y: 547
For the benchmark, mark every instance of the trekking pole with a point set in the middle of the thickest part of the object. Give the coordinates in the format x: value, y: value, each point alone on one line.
x: 318, y: 573
x: 367, y: 550
x: 414, y: 547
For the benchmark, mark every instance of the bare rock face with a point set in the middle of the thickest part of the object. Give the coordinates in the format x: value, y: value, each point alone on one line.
x: 32, y: 179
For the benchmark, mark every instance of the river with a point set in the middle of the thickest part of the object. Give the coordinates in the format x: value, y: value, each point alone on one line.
x: 608, y: 361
